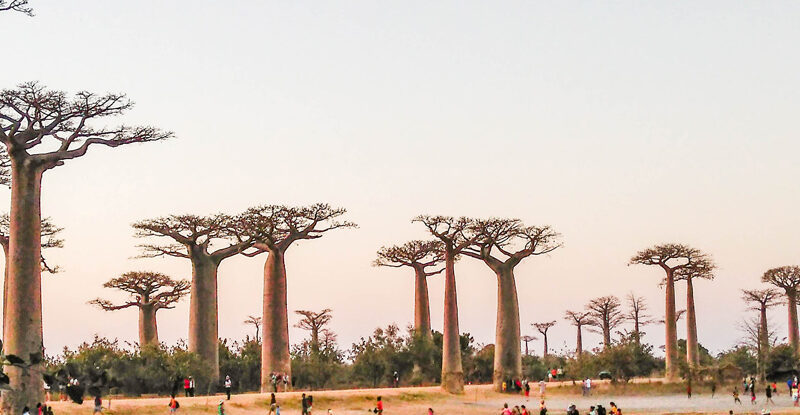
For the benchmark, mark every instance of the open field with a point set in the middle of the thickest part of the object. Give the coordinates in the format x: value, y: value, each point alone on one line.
x: 639, y: 398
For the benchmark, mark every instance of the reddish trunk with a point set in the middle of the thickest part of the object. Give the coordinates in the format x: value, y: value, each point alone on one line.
x: 422, y: 308
x: 763, y: 341
x: 275, y: 332
x: 452, y: 373
x: 23, y: 312
x: 692, y: 349
x: 507, y: 356
x: 579, y: 346
x: 5, y: 284
x: 203, y: 326
x: 148, y: 329
x: 794, y: 335
x: 671, y: 332
x: 545, y: 346
x: 606, y: 334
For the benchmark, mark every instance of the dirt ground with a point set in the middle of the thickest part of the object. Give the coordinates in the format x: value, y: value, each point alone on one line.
x: 476, y: 400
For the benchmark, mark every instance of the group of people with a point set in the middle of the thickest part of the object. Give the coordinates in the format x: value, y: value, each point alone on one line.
x: 572, y: 409
x: 276, y: 379
x: 40, y: 410
x: 749, y: 386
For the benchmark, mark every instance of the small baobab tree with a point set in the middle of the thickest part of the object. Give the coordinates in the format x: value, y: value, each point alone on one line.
x: 543, y: 328
x: 527, y: 339
x: 637, y: 314
x: 205, y: 241
x: 42, y: 129
x: 701, y: 268
x: 502, y: 244
x: 314, y: 323
x: 149, y: 292
x: 671, y: 258
x: 274, y: 229
x: 578, y: 319
x: 420, y: 256
x: 50, y: 239
x: 606, y: 314
x: 787, y: 278
x: 255, y: 321
x: 451, y: 232
x: 761, y: 300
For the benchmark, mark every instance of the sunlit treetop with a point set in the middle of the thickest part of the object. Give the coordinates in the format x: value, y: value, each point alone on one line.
x: 511, y: 239
x: 415, y: 253
x: 216, y: 235
x: 145, y: 289
x: 786, y: 277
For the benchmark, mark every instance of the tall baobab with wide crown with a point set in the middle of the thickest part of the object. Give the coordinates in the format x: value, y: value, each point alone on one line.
x: 502, y: 244
x: 606, y: 314
x: 578, y: 319
x: 42, y: 129
x: 637, y: 314
x: 205, y: 241
x: 787, y: 278
x: 670, y: 258
x: 314, y: 322
x: 702, y: 267
x: 451, y: 231
x: 543, y: 328
x: 527, y: 339
x: 49, y: 240
x: 274, y: 229
x: 420, y: 256
x: 762, y: 300
x: 255, y: 321
x: 149, y: 292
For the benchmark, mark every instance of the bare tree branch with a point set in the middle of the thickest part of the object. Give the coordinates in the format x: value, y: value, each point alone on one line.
x: 17, y: 6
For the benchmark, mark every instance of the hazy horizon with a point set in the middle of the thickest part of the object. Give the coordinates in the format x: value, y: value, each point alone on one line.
x: 621, y: 126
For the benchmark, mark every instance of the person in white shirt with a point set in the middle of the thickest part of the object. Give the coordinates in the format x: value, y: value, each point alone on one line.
x: 228, y: 384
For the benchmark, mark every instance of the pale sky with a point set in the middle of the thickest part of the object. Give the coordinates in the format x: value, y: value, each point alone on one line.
x: 619, y: 124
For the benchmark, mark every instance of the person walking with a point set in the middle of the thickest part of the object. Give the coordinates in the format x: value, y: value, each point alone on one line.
x: 98, y: 405
x: 273, y: 403
x: 221, y: 408
x: 713, y: 388
x: 186, y: 387
x: 173, y: 405
x: 379, y: 406
x: 310, y: 400
x: 228, y: 385
x: 752, y: 394
x: 191, y: 386
x: 303, y: 405
x: 736, y: 396
x: 588, y: 387
x: 527, y: 391
x: 769, y: 395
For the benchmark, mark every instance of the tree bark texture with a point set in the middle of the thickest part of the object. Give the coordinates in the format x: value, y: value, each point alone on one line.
x: 579, y: 341
x: 507, y: 356
x: 422, y: 307
x: 23, y: 310
x: 671, y: 332
x: 203, y: 309
x: 692, y: 349
x: 452, y: 372
x: 794, y: 334
x: 275, y: 331
x: 148, y: 328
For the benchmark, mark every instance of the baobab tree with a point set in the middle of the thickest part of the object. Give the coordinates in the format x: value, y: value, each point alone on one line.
x: 637, y: 314
x: 762, y: 300
x: 49, y: 240
x: 702, y: 267
x: 205, y: 241
x: 42, y: 129
x: 451, y: 231
x: 420, y: 256
x: 149, y: 292
x: 787, y: 278
x: 670, y: 258
x: 314, y: 323
x: 543, y: 328
x: 605, y: 313
x: 274, y: 229
x: 17, y: 6
x: 256, y: 322
x: 527, y: 339
x: 502, y: 244
x: 578, y: 319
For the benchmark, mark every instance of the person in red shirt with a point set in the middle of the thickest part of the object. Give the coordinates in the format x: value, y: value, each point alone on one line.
x: 186, y: 386
x: 379, y: 407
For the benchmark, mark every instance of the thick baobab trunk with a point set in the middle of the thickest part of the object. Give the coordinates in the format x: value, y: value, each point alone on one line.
x: 606, y: 335
x: 692, y: 350
x: 422, y: 307
x: 763, y: 341
x: 23, y: 310
x: 452, y: 373
x: 579, y: 342
x: 794, y: 335
x: 203, y: 326
x: 671, y: 330
x: 545, y: 346
x: 148, y: 328
x: 507, y: 358
x: 275, y: 332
